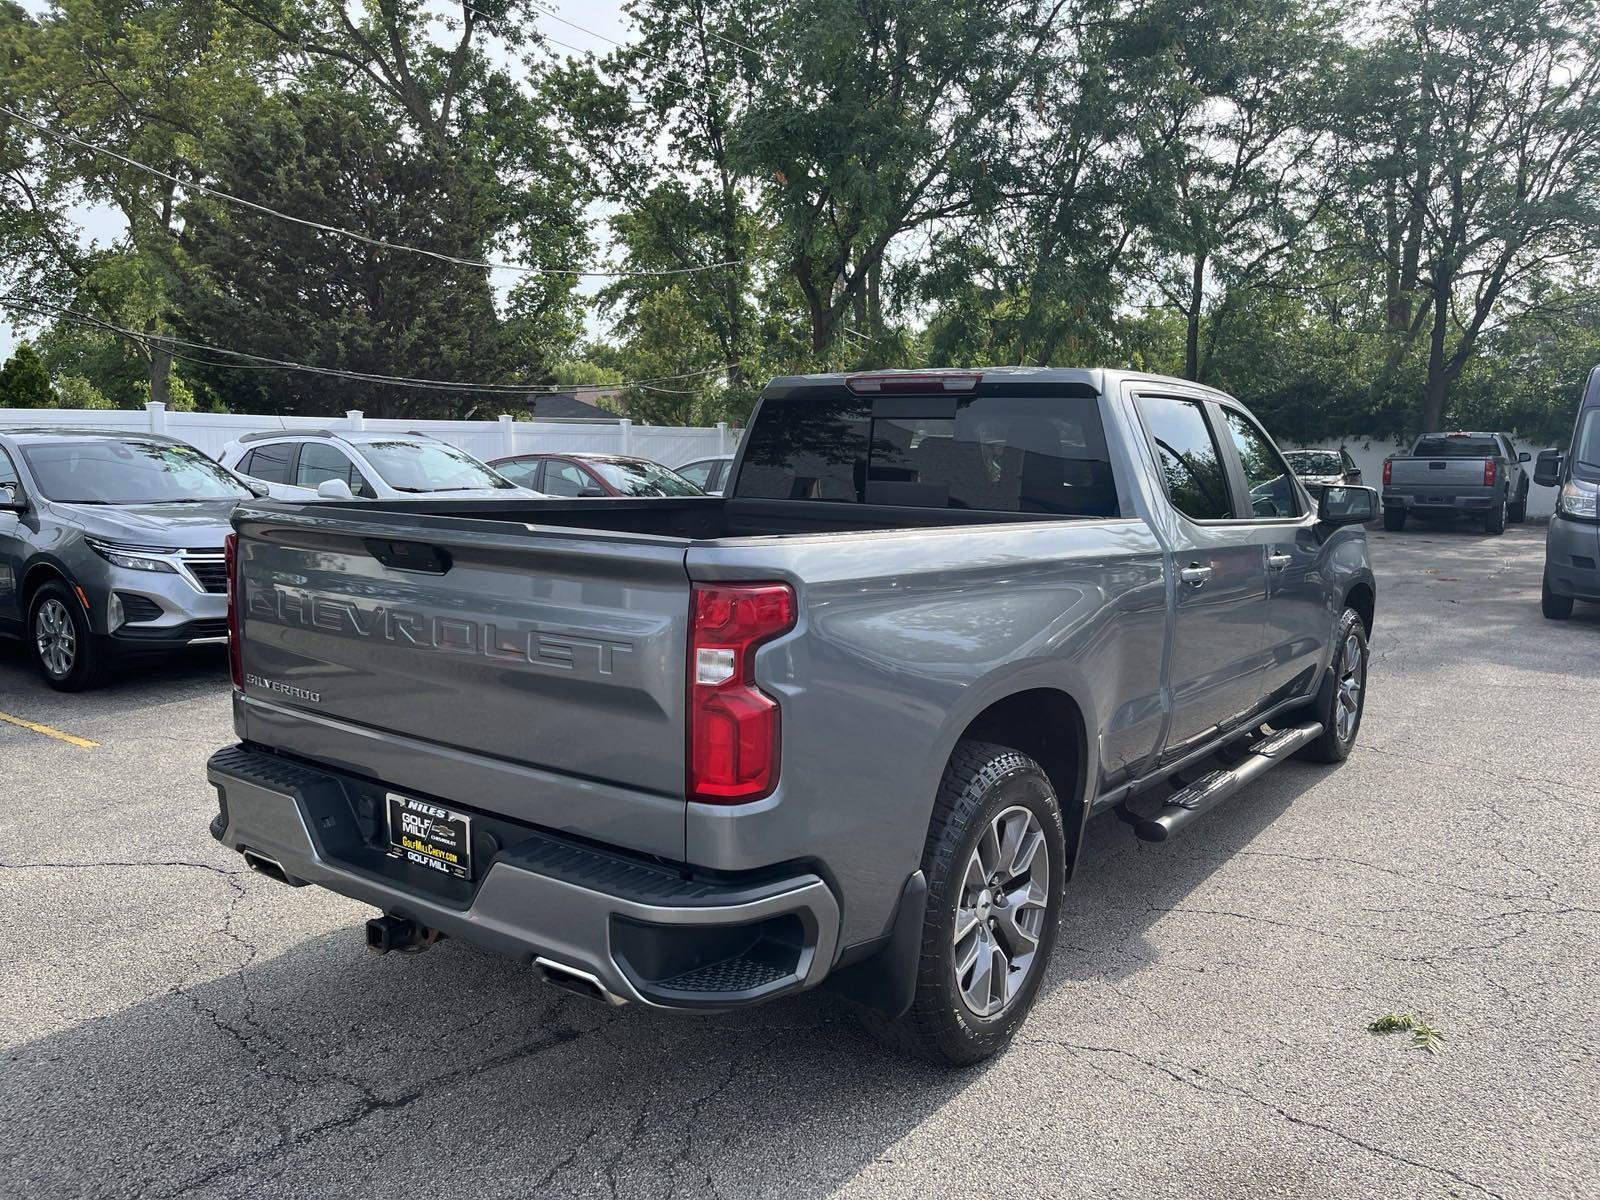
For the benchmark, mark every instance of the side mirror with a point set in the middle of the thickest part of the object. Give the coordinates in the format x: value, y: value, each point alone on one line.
x: 1547, y: 470
x: 1347, y: 505
x: 1524, y: 457
x: 334, y: 489
x: 12, y: 499
x: 590, y: 493
x: 1353, y: 475
x: 259, y: 490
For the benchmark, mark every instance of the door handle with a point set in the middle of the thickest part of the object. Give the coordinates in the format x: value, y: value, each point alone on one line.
x: 1278, y: 562
x: 1195, y: 575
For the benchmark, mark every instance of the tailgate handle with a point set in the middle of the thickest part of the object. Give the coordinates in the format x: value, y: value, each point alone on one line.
x: 1435, y: 466
x: 409, y: 556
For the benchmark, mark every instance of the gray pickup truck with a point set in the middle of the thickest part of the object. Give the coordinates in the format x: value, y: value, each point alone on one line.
x: 1457, y: 474
x: 845, y: 724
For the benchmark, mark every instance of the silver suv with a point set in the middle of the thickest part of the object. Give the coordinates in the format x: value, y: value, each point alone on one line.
x: 305, y: 464
x: 111, y: 548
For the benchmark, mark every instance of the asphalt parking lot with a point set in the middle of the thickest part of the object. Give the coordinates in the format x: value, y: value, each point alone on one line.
x: 175, y: 1026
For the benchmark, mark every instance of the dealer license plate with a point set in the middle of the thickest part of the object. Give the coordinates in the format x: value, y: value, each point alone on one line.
x: 429, y: 835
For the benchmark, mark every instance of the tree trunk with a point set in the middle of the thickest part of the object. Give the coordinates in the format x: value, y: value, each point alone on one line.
x: 160, y: 373
x: 1191, y: 350
x: 1434, y: 394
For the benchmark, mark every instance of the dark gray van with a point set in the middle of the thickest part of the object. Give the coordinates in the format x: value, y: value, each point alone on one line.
x: 1572, y: 546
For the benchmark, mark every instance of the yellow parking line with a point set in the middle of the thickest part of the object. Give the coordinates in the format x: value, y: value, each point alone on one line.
x: 69, y: 738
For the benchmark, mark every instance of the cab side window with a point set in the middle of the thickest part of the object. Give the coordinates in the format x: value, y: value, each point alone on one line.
x: 1266, y: 476
x: 1191, y: 463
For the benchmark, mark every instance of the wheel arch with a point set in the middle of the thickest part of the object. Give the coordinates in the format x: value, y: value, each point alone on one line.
x: 39, y: 573
x: 1363, y: 597
x: 1049, y: 726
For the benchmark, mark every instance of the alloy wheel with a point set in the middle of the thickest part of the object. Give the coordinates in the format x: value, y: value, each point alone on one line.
x: 56, y: 638
x: 1000, y: 911
x: 1347, y: 711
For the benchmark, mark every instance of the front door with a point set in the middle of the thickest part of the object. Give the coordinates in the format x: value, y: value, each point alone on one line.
x: 12, y: 549
x: 1299, y: 620
x: 1215, y: 671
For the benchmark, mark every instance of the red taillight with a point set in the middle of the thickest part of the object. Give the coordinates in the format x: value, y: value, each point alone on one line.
x: 1388, y: 471
x: 1490, y: 467
x: 230, y: 548
x: 733, y: 725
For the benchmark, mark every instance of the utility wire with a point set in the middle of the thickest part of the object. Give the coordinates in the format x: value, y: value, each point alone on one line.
x: 261, y: 362
x: 381, y: 243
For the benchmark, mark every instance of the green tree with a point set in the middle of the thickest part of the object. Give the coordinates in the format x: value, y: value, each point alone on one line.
x: 1472, y: 140
x: 281, y: 291
x: 24, y: 381
x: 75, y: 391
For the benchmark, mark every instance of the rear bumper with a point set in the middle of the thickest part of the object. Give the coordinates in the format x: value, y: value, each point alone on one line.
x: 644, y: 933
x: 1422, y: 501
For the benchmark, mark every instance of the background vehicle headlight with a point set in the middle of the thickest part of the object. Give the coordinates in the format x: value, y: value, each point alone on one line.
x: 1579, y: 500
x: 131, y: 560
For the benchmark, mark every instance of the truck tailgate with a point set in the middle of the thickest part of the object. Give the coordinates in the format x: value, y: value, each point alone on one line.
x: 1444, y: 475
x: 484, y: 643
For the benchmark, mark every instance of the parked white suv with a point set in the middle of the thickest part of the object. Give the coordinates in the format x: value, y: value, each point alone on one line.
x: 378, y: 466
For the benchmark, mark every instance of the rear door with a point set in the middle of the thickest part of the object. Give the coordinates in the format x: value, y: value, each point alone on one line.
x: 528, y: 670
x: 1215, y: 671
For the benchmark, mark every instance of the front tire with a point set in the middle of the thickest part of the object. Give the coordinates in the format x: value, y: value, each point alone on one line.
x: 61, y: 641
x: 1342, y: 698
x: 1557, y: 608
x: 995, y: 862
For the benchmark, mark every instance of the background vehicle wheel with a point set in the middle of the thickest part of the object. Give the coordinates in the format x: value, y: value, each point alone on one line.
x: 995, y: 862
x: 59, y: 637
x: 1517, y: 511
x: 1342, y: 697
x: 1495, y: 522
x: 1557, y: 608
x: 1394, y: 519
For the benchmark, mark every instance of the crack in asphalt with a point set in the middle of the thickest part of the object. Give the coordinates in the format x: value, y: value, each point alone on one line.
x: 113, y: 865
x: 1216, y: 1087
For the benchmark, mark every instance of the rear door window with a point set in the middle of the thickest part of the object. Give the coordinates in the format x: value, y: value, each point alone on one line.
x: 270, y: 464
x: 1191, y: 463
x: 995, y: 453
x: 563, y: 478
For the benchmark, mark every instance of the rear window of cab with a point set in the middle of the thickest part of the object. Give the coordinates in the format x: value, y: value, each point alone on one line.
x: 993, y: 453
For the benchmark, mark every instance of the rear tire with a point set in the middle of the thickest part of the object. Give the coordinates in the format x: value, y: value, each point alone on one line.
x: 1394, y: 519
x: 61, y: 641
x: 1517, y: 513
x: 995, y: 810
x: 1495, y: 521
x: 1557, y: 608
x: 1342, y: 698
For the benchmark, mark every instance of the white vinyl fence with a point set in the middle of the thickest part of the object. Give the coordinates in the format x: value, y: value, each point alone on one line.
x: 670, y: 445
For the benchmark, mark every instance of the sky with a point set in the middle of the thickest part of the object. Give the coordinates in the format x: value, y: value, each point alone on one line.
x: 98, y: 224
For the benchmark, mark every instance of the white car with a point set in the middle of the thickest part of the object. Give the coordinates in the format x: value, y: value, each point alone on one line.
x: 710, y: 475
x: 309, y: 464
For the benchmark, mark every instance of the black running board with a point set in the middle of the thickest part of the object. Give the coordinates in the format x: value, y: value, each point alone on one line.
x: 1210, y: 790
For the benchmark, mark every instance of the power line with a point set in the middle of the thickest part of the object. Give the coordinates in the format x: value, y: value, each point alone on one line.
x: 381, y: 243
x: 260, y: 362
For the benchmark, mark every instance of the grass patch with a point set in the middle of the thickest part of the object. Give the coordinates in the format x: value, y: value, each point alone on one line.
x: 1423, y: 1035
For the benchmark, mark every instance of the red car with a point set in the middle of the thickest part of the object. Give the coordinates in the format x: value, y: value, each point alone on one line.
x: 593, y: 475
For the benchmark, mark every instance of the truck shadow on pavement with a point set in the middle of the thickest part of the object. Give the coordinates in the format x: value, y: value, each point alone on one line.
x: 312, y: 1067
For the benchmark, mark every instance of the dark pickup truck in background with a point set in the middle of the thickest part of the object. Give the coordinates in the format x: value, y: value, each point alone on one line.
x: 846, y: 724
